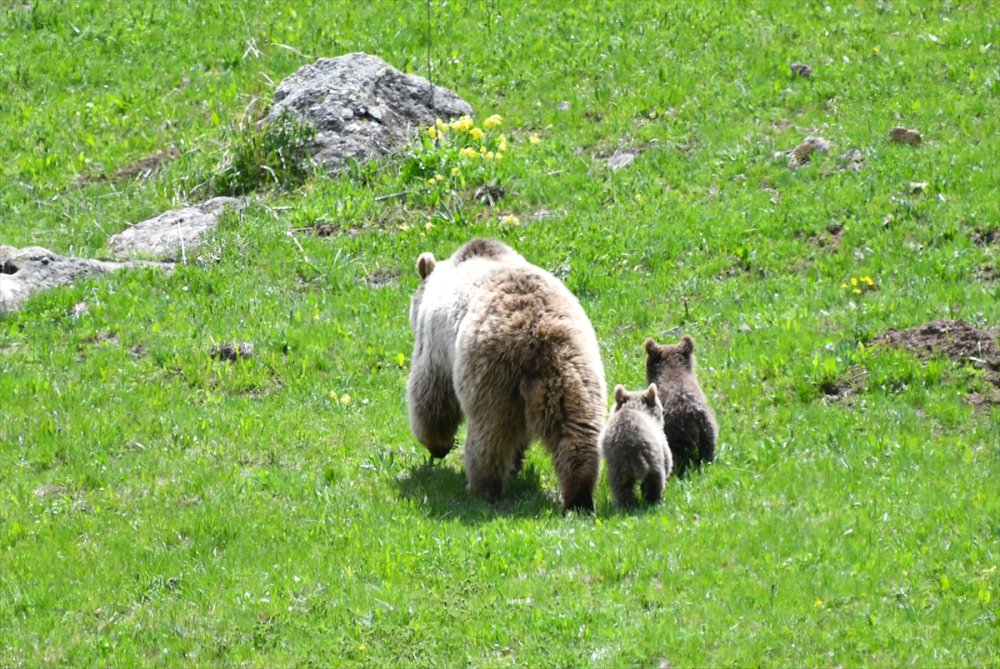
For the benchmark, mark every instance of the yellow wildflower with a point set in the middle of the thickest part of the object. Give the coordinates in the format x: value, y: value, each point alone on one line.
x: 432, y: 132
x: 854, y: 281
x: 428, y: 225
x: 502, y: 145
x: 345, y: 400
x: 534, y: 139
x: 441, y: 126
x: 477, y: 134
x: 438, y: 178
x: 488, y: 155
x: 868, y: 280
x: 431, y: 182
x: 493, y: 121
x: 856, y: 291
x: 510, y: 219
x: 333, y: 395
x: 499, y: 157
x: 875, y: 49
x: 482, y: 150
x: 843, y: 285
x: 463, y: 124
x: 455, y: 171
x: 468, y: 152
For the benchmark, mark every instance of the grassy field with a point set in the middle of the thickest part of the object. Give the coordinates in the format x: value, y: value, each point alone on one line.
x: 159, y: 507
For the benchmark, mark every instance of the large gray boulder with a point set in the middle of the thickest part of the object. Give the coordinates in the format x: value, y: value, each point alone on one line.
x: 24, y: 271
x: 172, y: 234
x: 361, y: 106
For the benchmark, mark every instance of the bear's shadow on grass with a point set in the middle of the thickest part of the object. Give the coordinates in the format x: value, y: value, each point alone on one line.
x: 439, y: 490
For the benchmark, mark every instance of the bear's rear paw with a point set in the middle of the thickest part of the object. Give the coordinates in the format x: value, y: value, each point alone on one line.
x: 582, y: 502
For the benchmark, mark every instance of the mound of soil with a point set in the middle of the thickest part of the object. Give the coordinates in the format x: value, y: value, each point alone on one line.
x: 953, y: 339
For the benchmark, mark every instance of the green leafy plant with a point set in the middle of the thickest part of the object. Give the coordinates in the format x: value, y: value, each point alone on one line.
x: 458, y: 159
x: 266, y: 154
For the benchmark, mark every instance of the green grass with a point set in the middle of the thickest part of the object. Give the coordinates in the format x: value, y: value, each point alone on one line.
x: 161, y: 507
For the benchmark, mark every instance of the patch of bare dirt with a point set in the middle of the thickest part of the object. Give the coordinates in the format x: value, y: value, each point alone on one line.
x: 829, y: 239
x: 844, y: 386
x: 382, y: 278
x: 984, y: 237
x: 956, y: 340
x: 103, y: 338
x: 143, y: 168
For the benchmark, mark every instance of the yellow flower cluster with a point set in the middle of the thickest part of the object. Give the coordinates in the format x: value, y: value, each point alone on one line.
x: 345, y: 399
x: 858, y: 285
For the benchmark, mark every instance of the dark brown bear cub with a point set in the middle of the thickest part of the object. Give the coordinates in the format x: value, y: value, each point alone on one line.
x: 635, y: 448
x: 688, y: 421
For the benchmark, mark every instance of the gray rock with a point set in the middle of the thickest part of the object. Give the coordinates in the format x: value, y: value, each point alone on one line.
x: 24, y: 271
x: 361, y: 107
x: 173, y: 233
x: 620, y: 159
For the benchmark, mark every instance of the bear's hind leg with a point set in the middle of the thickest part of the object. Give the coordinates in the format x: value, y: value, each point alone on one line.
x: 494, y: 449
x: 435, y: 413
x: 576, y: 461
x: 622, y: 484
x: 652, y: 485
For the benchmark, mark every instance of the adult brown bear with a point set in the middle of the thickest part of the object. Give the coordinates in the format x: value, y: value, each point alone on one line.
x: 506, y: 345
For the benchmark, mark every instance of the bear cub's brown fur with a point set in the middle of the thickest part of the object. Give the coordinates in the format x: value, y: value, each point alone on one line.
x: 635, y: 448
x: 688, y: 421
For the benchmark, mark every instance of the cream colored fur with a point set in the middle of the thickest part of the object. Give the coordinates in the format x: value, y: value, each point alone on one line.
x: 506, y: 345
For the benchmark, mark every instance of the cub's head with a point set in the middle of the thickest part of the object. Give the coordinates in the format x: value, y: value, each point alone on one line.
x: 669, y: 359
x: 646, y: 401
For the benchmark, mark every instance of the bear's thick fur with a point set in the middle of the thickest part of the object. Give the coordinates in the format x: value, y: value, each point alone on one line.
x: 688, y: 421
x: 506, y: 345
x: 635, y: 448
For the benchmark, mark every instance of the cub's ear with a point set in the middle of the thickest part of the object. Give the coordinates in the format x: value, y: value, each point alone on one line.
x: 619, y: 395
x: 650, y: 395
x: 425, y: 265
x: 650, y: 345
x: 687, y: 344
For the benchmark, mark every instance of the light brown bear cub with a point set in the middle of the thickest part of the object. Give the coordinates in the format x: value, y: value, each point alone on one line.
x: 688, y: 421
x: 634, y: 447
x: 506, y: 345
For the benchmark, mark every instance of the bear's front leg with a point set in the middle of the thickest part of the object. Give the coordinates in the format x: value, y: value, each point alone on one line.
x: 435, y: 413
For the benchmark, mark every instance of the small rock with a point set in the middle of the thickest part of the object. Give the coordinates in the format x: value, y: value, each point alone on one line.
x: 852, y: 161
x: 232, y: 350
x: 564, y: 105
x: 173, y: 233
x: 79, y: 309
x: 800, y: 155
x: 801, y: 69
x: 918, y: 186
x: 902, y: 135
x: 24, y: 271
x: 746, y: 329
x: 620, y: 159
